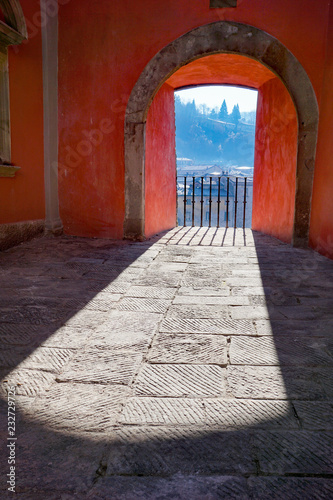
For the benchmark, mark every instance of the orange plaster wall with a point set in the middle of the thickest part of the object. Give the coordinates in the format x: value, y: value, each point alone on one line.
x: 222, y: 69
x: 93, y: 91
x: 321, y: 227
x: 160, y: 174
x: 274, y: 179
x: 22, y: 197
x: 103, y: 48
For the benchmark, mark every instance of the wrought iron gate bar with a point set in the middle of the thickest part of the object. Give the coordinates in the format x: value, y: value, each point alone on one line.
x: 193, y: 200
x: 218, y: 202
x: 201, y: 201
x: 244, y: 210
x: 236, y: 202
x: 185, y: 200
x: 227, y: 203
x: 210, y: 202
x: 217, y: 190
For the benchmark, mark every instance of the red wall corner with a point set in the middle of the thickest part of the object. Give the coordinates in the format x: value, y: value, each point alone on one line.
x: 160, y: 174
x: 321, y: 224
x: 274, y: 181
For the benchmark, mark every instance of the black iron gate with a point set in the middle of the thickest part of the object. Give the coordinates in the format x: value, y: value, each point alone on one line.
x: 223, y: 201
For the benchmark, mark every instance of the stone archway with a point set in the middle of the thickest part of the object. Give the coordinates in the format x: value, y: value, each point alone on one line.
x: 221, y: 37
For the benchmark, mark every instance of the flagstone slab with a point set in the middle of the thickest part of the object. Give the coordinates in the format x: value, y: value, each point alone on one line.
x: 294, y: 452
x: 202, y: 325
x: 180, y: 381
x: 102, y: 366
x: 315, y: 415
x: 77, y: 407
x: 196, y: 349
x: 282, y: 350
x: 275, y: 382
x: 160, y: 451
x: 177, y: 487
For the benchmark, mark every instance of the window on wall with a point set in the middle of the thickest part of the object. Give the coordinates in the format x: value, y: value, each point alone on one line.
x: 12, y: 32
x: 4, y: 108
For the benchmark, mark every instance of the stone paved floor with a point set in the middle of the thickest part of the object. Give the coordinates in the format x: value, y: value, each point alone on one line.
x: 196, y: 365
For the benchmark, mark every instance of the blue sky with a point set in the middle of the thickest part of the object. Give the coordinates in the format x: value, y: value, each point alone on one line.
x: 213, y: 96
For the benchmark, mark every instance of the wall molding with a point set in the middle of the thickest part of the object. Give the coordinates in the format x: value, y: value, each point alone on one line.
x: 8, y: 170
x: 12, y: 32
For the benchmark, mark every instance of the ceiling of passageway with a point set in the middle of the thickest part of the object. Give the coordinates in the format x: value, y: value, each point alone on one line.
x: 222, y: 69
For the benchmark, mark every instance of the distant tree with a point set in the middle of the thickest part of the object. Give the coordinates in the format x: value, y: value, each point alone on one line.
x: 249, y: 117
x: 204, y: 109
x: 235, y: 115
x: 201, y: 140
x: 214, y: 114
x: 223, y: 113
x: 191, y: 109
x: 177, y: 100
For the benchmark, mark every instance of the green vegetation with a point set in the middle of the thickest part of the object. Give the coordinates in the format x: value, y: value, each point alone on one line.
x: 214, y: 136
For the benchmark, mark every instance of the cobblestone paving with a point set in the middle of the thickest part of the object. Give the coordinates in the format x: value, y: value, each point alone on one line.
x: 196, y: 365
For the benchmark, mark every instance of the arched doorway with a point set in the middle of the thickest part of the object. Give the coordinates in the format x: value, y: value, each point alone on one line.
x: 229, y: 38
x: 275, y: 145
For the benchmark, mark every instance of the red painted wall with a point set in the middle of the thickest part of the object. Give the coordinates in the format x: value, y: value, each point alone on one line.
x: 93, y: 91
x: 103, y: 48
x: 160, y: 174
x: 22, y: 197
x: 321, y: 227
x: 274, y: 179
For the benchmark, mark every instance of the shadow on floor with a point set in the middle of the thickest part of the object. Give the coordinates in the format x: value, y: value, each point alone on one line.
x: 285, y: 451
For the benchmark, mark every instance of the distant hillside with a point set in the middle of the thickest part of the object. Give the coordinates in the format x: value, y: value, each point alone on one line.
x: 214, y: 137
x: 249, y: 117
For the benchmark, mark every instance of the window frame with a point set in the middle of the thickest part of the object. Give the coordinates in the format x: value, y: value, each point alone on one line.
x: 12, y: 32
